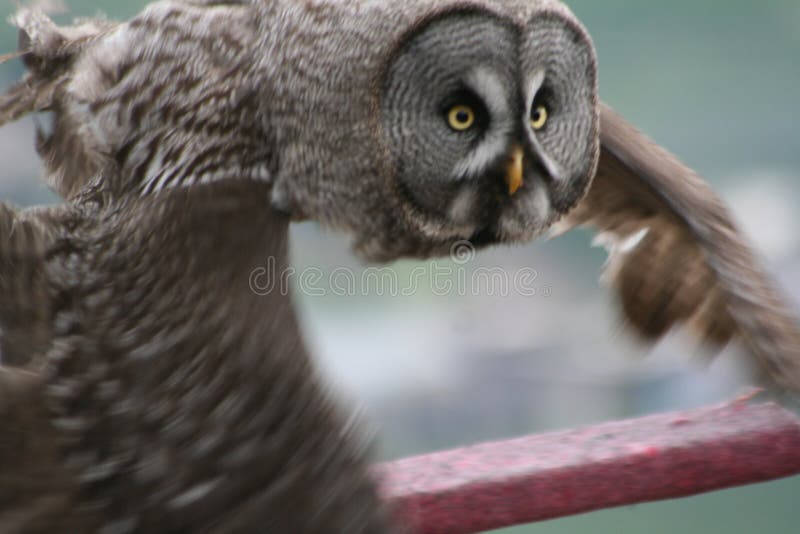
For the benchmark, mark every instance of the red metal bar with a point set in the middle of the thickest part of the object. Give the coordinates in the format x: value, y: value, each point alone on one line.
x: 553, y: 475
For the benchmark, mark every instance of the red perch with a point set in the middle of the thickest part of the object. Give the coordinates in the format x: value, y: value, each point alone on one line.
x: 540, y: 477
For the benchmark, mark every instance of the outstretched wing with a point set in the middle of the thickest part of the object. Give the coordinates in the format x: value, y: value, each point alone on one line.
x: 25, y: 237
x: 36, y: 492
x: 676, y: 256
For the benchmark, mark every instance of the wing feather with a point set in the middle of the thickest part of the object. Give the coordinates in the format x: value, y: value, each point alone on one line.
x: 25, y: 237
x: 36, y: 491
x: 677, y: 257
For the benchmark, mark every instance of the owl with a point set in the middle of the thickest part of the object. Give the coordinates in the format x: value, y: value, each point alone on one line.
x: 147, y: 388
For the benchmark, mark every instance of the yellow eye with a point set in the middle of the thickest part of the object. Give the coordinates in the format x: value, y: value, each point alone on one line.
x: 461, y: 118
x: 538, y: 117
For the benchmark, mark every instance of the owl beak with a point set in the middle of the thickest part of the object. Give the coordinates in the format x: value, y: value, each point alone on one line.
x: 514, y: 170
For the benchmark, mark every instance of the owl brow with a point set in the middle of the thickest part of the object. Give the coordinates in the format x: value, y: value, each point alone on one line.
x: 463, y: 95
x: 486, y: 84
x: 534, y: 84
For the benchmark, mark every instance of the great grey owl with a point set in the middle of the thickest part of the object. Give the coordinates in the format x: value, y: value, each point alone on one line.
x: 146, y: 388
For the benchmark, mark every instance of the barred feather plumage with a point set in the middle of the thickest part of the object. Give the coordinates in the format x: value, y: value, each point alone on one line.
x: 147, y: 388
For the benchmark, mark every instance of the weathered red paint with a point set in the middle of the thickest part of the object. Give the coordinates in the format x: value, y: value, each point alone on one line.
x: 563, y: 473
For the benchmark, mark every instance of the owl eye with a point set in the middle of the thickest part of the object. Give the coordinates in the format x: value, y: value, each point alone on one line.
x: 461, y: 118
x: 538, y: 117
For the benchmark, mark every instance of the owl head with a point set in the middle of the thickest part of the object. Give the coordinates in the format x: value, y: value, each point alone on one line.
x: 453, y: 121
x: 412, y: 125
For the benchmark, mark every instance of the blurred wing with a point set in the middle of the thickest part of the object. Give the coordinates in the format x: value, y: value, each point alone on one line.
x: 25, y: 302
x: 35, y: 490
x: 675, y: 255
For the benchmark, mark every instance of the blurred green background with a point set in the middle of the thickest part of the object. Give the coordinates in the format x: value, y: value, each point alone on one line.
x: 715, y: 82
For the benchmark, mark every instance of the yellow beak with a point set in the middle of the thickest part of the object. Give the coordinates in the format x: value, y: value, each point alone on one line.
x: 514, y: 170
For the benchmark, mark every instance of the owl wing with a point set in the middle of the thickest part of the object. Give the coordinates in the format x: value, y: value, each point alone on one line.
x: 25, y: 306
x: 36, y: 491
x: 676, y: 256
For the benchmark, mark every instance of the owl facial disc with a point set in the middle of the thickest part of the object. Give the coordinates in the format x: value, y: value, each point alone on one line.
x: 492, y: 125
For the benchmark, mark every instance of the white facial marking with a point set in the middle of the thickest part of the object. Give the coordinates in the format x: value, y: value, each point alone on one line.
x: 539, y: 201
x: 487, y: 85
x: 476, y: 163
x: 534, y: 83
x: 534, y: 204
x: 461, y: 207
x: 553, y: 168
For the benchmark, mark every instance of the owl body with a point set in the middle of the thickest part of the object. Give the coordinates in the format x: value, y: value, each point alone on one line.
x: 149, y: 388
x: 185, y: 140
